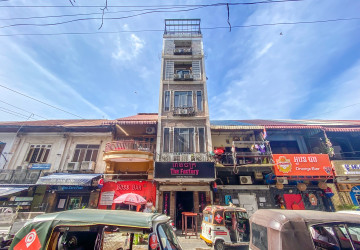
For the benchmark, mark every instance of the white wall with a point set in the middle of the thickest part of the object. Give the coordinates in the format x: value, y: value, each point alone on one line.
x: 8, y: 139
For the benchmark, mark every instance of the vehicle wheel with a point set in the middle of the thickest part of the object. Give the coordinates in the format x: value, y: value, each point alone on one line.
x: 219, y: 245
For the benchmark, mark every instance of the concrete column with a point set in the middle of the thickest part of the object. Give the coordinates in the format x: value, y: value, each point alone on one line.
x: 196, y: 201
x: 160, y: 201
x: 172, y: 205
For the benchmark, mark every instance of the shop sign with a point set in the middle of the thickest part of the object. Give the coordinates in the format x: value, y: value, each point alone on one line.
x: 302, y: 165
x: 24, y: 198
x: 146, y: 189
x: 349, y: 167
x: 107, y: 198
x: 166, y: 203
x: 40, y: 166
x: 184, y: 170
x: 69, y: 188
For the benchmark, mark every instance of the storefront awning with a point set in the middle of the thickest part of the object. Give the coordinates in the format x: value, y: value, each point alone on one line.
x: 5, y: 191
x: 67, y: 179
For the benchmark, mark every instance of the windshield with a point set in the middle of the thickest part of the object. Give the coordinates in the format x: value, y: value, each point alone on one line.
x: 168, y: 238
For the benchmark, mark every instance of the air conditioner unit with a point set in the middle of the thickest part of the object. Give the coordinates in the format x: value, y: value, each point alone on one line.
x: 282, y: 180
x: 245, y: 180
x: 87, y: 165
x: 259, y: 176
x: 33, y: 176
x: 177, y: 76
x: 344, y: 187
x: 150, y: 130
x: 187, y: 76
x: 5, y: 176
x: 73, y: 166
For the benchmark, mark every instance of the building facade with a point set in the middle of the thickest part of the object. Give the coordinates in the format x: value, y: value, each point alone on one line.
x: 182, y: 169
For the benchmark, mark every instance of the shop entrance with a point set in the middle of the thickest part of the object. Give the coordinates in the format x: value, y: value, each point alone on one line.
x: 184, y: 203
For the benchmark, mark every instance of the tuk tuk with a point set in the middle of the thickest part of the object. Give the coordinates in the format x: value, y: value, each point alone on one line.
x: 301, y: 229
x: 97, y: 229
x: 224, y: 226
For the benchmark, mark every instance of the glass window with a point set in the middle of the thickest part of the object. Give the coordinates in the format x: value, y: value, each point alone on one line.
x: 183, y: 99
x: 166, y: 140
x: 326, y: 236
x: 201, y: 140
x: 38, y: 153
x: 84, y: 152
x: 199, y: 100
x: 184, y: 140
x: 259, y: 236
x: 167, y: 100
x: 167, y: 237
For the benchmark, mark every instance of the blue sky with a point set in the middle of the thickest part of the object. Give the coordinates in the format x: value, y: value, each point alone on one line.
x: 304, y: 71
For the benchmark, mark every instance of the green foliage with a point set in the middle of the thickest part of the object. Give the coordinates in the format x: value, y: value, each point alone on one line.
x: 348, y: 207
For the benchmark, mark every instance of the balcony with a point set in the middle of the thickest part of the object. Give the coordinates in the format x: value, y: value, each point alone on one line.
x: 183, y: 51
x: 184, y: 111
x: 183, y: 77
x: 185, y: 157
x: 129, y: 145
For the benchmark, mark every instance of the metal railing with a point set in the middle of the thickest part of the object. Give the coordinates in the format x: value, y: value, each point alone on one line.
x: 129, y: 145
x: 185, y: 157
x: 183, y: 51
x: 183, y: 77
x: 184, y: 111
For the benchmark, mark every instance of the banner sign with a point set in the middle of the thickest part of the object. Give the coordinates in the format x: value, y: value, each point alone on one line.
x: 346, y: 167
x: 40, y: 166
x: 147, y: 189
x: 107, y: 198
x: 166, y: 203
x: 302, y: 165
x: 184, y: 170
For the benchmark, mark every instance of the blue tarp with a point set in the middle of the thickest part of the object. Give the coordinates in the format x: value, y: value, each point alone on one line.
x: 67, y: 179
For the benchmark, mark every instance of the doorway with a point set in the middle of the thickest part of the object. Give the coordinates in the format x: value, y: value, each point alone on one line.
x: 184, y: 203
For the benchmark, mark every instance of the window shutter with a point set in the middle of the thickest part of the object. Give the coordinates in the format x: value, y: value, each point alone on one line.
x: 196, y: 47
x: 196, y: 70
x: 169, y: 47
x: 169, y: 70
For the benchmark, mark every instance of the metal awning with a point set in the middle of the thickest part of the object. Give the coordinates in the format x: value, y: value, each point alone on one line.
x: 8, y: 190
x: 68, y: 179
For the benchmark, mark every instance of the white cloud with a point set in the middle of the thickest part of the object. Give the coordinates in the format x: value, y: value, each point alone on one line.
x: 130, y: 49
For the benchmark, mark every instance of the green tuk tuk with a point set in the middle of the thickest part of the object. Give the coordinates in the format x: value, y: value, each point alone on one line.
x: 97, y: 229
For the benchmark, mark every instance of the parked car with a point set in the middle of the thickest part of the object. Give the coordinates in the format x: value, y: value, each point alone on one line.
x: 97, y: 229
x: 304, y: 229
x: 224, y: 226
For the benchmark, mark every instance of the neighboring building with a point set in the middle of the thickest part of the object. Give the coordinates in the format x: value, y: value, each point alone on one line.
x: 129, y: 160
x: 43, y: 149
x: 182, y: 167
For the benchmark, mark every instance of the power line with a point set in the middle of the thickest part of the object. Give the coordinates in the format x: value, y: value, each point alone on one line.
x: 144, y: 6
x: 96, y: 18
x: 41, y: 101
x: 204, y: 28
x: 348, y: 106
x: 9, y: 111
x: 24, y: 110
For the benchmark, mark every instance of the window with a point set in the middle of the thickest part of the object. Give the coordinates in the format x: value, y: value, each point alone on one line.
x: 166, y: 140
x: 167, y: 100
x: 183, y: 140
x: 38, y: 153
x: 284, y: 147
x: 199, y: 100
x: 167, y: 237
x: 201, y: 140
x: 84, y: 152
x: 183, y: 99
x: 259, y: 236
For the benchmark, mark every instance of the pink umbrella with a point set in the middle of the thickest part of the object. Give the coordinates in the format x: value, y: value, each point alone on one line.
x: 130, y: 199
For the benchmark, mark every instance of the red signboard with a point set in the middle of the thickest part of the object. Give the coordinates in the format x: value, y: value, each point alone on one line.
x: 302, y: 165
x: 30, y: 241
x: 146, y: 189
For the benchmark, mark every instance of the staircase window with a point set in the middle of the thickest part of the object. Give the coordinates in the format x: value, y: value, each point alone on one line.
x: 166, y: 140
x: 166, y: 100
x: 199, y: 100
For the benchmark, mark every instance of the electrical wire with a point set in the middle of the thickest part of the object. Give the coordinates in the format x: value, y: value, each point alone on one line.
x: 14, y: 113
x: 145, y: 6
x: 41, y: 101
x: 204, y: 28
x: 24, y: 110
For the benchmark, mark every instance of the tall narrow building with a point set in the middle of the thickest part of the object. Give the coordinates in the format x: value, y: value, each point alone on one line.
x: 182, y: 167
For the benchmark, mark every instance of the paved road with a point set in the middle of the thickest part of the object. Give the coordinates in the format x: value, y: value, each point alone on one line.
x: 192, y: 243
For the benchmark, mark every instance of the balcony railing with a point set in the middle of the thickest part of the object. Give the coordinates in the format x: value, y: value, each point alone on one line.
x: 243, y: 158
x: 183, y: 77
x: 185, y: 157
x: 184, y: 111
x: 182, y: 51
x: 129, y: 145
